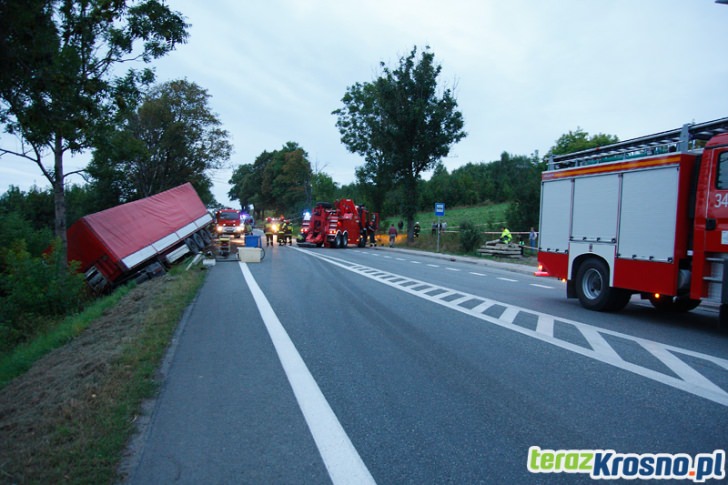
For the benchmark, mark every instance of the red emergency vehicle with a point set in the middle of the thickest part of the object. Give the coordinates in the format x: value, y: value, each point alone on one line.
x: 337, y: 225
x: 228, y: 223
x: 645, y: 216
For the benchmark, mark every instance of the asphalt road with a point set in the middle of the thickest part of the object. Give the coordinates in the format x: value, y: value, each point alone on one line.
x: 371, y: 365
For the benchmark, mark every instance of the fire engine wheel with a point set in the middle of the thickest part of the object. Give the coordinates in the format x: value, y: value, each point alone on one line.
x: 593, y: 290
x: 337, y: 242
x: 345, y: 240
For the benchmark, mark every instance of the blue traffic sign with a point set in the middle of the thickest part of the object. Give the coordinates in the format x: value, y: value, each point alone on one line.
x: 439, y: 209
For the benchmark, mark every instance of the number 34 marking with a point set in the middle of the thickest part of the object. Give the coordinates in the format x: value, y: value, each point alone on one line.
x: 721, y: 200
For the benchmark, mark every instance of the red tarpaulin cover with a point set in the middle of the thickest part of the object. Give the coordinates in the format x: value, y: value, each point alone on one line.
x: 127, y: 228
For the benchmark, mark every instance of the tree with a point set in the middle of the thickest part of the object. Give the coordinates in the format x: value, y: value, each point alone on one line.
x: 172, y: 138
x: 278, y: 180
x: 323, y: 188
x: 576, y: 141
x: 401, y: 124
x: 58, y: 86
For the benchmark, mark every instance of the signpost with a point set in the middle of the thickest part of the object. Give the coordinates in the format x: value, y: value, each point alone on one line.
x: 439, y: 212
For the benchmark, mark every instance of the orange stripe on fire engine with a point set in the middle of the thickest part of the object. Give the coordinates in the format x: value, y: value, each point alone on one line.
x: 611, y: 167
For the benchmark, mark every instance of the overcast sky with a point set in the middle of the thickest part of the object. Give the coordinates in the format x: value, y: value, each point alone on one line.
x: 524, y: 71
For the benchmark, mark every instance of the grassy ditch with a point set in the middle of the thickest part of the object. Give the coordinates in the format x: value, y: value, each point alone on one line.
x: 70, y: 415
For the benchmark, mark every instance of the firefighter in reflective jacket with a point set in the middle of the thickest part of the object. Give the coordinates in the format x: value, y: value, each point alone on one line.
x: 268, y: 232
x: 288, y: 232
x: 505, y: 236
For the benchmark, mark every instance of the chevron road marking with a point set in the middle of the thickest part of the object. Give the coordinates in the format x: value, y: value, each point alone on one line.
x: 681, y: 374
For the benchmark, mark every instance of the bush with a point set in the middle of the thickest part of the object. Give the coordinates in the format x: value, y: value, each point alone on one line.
x: 32, y: 289
x: 470, y: 237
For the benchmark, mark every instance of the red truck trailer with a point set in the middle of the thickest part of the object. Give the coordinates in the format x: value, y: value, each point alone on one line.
x: 337, y: 225
x: 646, y: 216
x: 117, y: 244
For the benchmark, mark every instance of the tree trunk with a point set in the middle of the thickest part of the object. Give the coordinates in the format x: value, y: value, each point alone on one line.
x: 59, y: 198
x: 410, y: 205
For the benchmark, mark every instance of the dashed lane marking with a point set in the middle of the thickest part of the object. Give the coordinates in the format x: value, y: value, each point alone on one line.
x: 682, y: 366
x: 507, y: 279
x: 541, y: 286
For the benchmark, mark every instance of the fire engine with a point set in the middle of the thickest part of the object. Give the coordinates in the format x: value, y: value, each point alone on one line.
x: 227, y: 223
x: 337, y: 225
x: 645, y: 216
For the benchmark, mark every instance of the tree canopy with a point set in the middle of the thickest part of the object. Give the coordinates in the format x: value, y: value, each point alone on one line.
x: 172, y: 138
x: 402, y: 123
x: 280, y: 180
x: 59, y: 86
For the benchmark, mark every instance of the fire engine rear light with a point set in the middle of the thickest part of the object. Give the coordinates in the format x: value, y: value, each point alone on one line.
x: 540, y: 271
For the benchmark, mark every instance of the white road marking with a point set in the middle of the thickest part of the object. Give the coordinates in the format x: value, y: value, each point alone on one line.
x: 507, y: 279
x: 541, y: 286
x: 689, y: 378
x: 342, y: 461
x: 477, y: 274
x: 433, y: 265
x: 415, y: 262
x: 451, y: 269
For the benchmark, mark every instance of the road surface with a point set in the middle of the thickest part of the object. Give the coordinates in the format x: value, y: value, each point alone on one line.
x: 377, y: 366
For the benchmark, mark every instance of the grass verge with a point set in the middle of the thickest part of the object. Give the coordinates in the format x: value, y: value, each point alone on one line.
x: 69, y: 417
x: 21, y: 358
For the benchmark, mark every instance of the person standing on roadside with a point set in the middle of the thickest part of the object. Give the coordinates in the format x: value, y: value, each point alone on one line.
x: 392, y: 235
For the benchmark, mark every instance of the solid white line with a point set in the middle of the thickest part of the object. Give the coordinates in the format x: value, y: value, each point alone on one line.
x: 339, y: 455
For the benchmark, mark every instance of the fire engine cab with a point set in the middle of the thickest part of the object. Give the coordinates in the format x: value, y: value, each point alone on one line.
x: 645, y: 216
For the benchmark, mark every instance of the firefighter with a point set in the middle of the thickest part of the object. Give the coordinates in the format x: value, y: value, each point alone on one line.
x: 372, y: 234
x: 505, y: 236
x: 417, y: 229
x: 268, y: 232
x: 288, y: 232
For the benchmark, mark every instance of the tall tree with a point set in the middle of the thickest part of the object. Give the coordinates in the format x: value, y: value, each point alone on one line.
x: 402, y: 124
x: 279, y: 180
x: 59, y: 83
x: 172, y: 138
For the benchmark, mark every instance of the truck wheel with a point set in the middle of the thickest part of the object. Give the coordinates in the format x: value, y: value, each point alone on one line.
x: 198, y: 240
x: 345, y: 241
x: 192, y: 245
x: 685, y: 304
x: 593, y: 290
x: 206, y: 237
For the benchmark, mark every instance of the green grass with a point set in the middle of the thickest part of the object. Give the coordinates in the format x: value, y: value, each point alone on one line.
x: 84, y: 441
x: 22, y: 357
x: 488, y: 218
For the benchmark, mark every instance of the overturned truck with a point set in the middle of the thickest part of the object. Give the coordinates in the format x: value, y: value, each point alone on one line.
x: 140, y: 238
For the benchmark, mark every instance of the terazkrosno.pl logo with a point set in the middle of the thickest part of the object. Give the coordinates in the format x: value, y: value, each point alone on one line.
x: 610, y: 465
